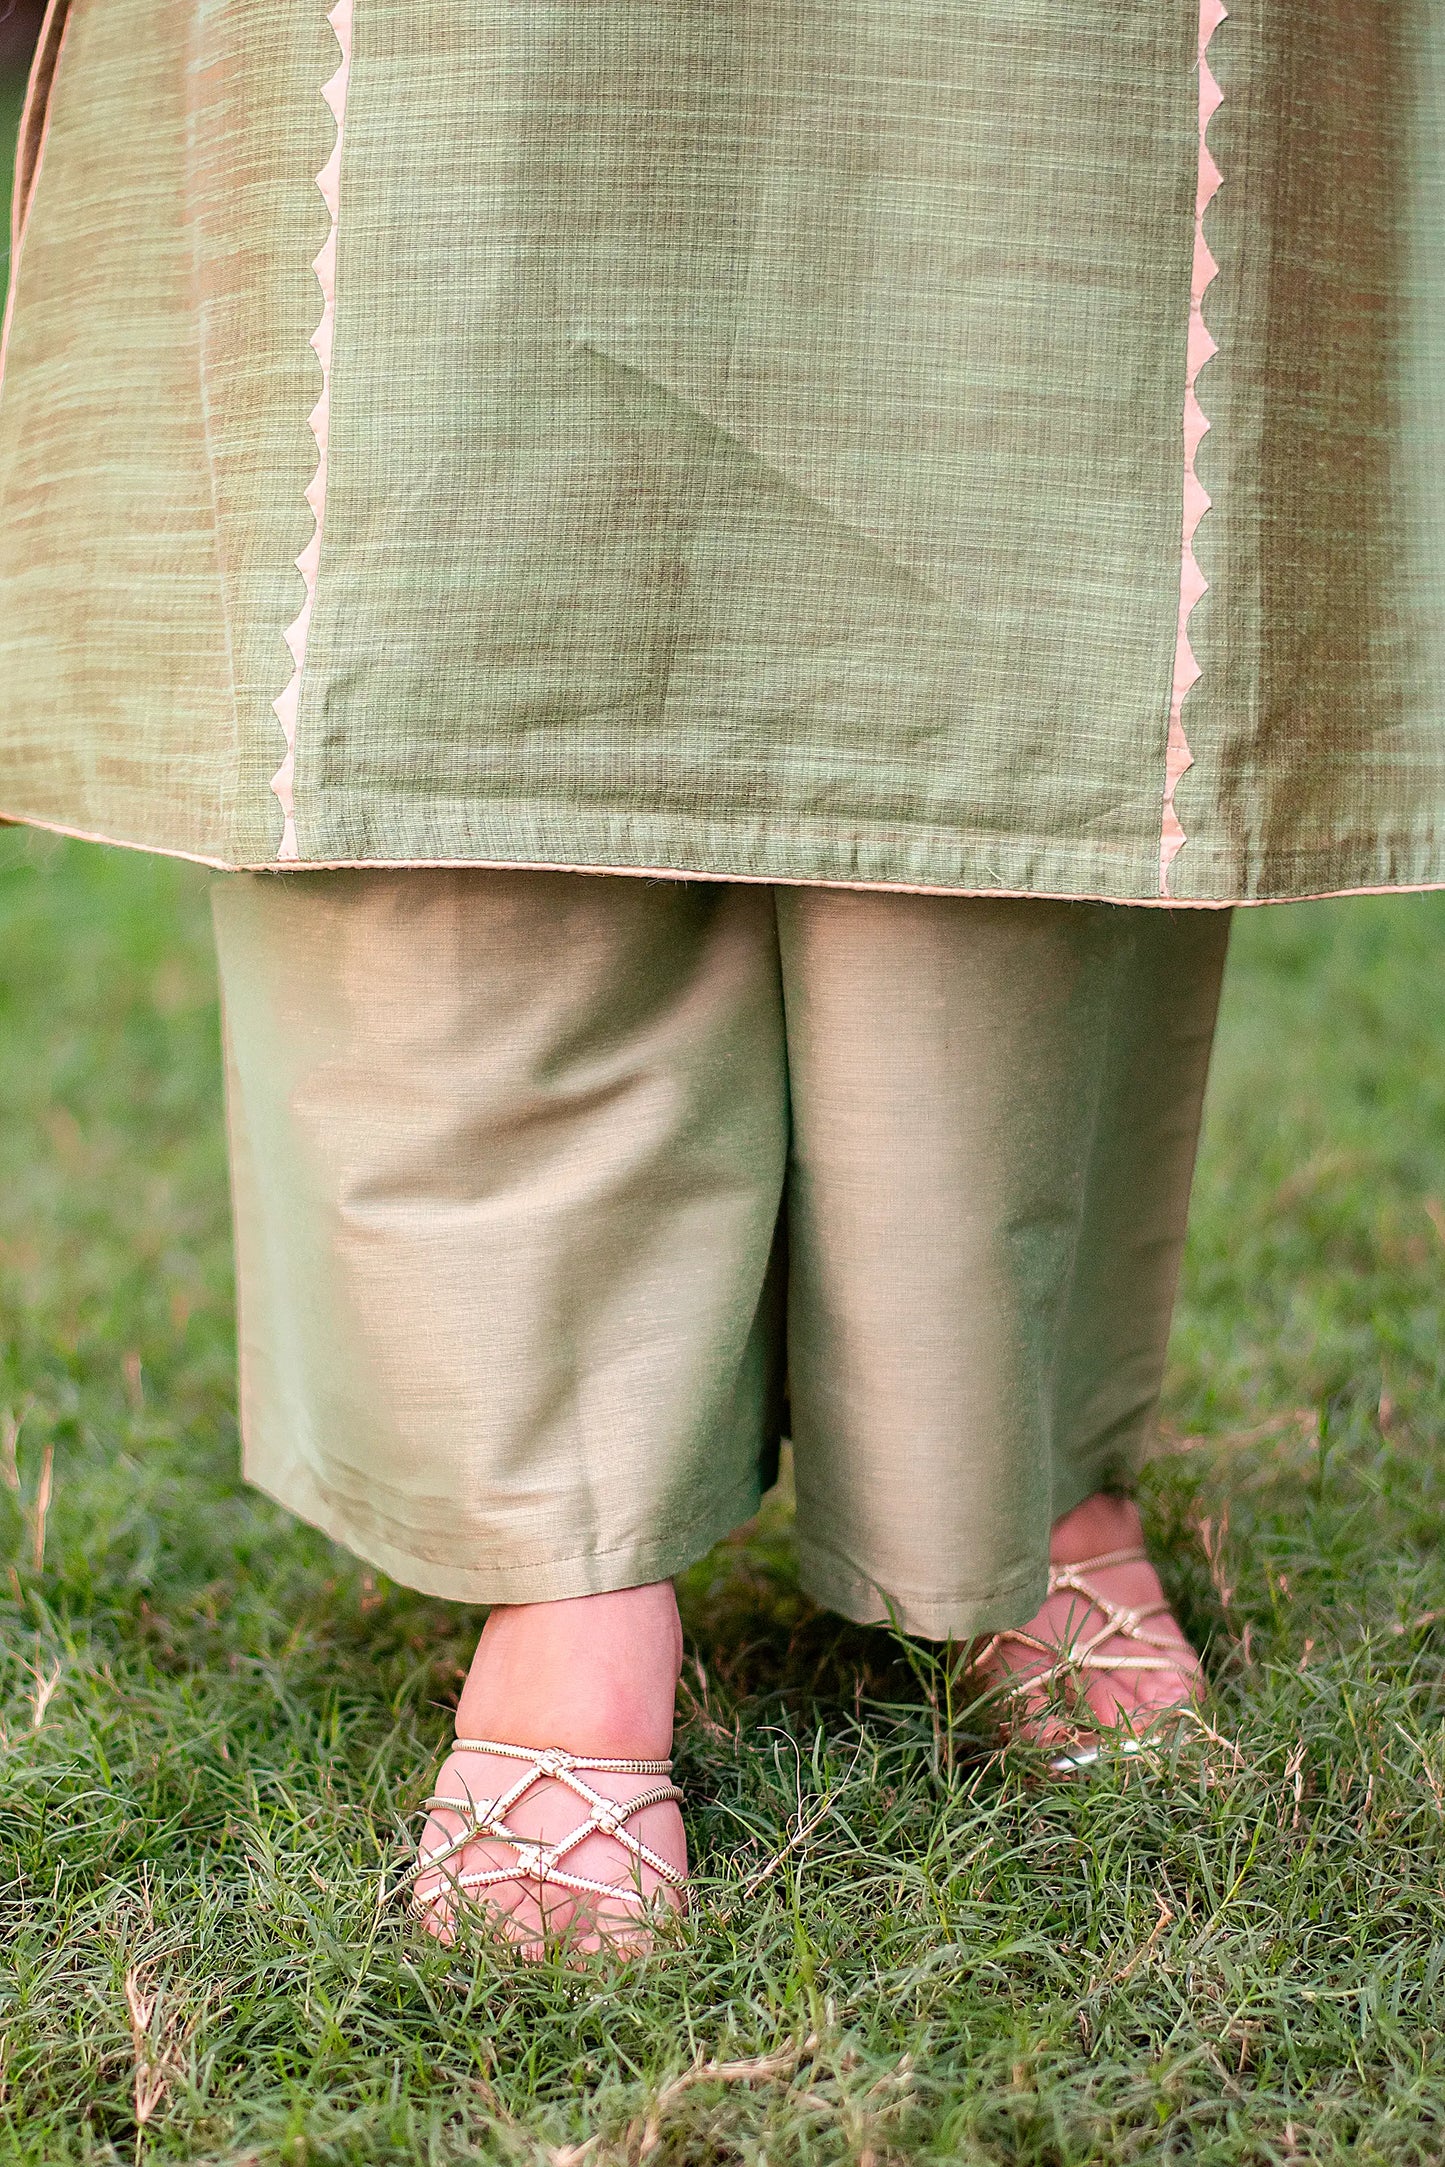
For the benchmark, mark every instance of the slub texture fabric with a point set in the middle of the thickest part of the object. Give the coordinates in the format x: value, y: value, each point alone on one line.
x: 544, y: 1183
x: 752, y: 439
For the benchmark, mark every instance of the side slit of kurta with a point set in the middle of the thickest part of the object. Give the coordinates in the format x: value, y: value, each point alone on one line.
x: 30, y: 150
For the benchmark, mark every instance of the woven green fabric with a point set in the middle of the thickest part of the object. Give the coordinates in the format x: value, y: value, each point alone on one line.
x: 756, y: 440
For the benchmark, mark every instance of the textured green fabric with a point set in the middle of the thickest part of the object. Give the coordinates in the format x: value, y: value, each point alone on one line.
x: 756, y: 440
x: 542, y: 1182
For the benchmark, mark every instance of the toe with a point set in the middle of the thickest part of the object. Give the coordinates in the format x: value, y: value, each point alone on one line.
x: 1060, y: 1714
x: 531, y: 1911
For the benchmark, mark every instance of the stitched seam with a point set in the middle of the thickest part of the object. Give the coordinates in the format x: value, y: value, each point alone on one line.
x: 682, y: 872
x: 203, y: 400
x: 419, y: 1544
x: 820, y: 1552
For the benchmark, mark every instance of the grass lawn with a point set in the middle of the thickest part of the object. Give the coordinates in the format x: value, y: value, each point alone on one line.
x: 904, y: 1946
x: 211, y: 1717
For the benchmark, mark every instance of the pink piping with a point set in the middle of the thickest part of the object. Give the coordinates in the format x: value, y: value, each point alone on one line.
x: 1202, y: 348
x: 675, y: 872
x: 328, y: 180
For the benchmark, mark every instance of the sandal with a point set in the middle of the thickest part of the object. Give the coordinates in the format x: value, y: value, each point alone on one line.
x: 1066, y: 1663
x: 542, y: 1865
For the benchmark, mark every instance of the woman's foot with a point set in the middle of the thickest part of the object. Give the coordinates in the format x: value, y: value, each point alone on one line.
x: 1063, y: 1705
x: 597, y: 1677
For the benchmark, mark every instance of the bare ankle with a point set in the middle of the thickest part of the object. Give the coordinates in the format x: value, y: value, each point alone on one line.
x: 598, y: 1673
x: 1102, y: 1523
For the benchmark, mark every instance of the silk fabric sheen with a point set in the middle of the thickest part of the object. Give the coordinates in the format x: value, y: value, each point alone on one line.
x: 544, y: 1183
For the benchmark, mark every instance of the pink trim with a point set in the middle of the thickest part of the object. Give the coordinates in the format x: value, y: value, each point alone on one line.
x: 124, y: 842
x: 1202, y: 348
x: 24, y: 198
x: 328, y: 180
x: 677, y: 872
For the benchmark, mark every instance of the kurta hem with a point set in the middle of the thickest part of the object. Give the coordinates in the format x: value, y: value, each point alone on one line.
x: 1384, y: 884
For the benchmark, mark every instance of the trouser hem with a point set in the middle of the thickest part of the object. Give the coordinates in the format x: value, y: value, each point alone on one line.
x: 591, y: 1572
x: 840, y: 1584
x: 1119, y: 1472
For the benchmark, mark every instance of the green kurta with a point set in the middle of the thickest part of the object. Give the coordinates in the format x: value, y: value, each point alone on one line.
x: 756, y: 438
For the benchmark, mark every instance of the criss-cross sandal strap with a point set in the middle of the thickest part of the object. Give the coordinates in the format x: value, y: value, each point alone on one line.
x: 484, y: 1820
x: 553, y: 1761
x: 1088, y: 1651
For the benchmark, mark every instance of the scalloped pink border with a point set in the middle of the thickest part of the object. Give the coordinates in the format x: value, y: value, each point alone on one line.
x: 328, y: 180
x: 1193, y: 586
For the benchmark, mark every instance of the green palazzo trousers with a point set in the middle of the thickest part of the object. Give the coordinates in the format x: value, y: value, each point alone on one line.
x: 560, y: 1199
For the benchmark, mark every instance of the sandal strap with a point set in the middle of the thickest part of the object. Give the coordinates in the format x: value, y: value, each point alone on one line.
x: 546, y: 1756
x: 614, y: 1892
x: 1088, y: 1652
x: 484, y: 1820
x: 1137, y: 1556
